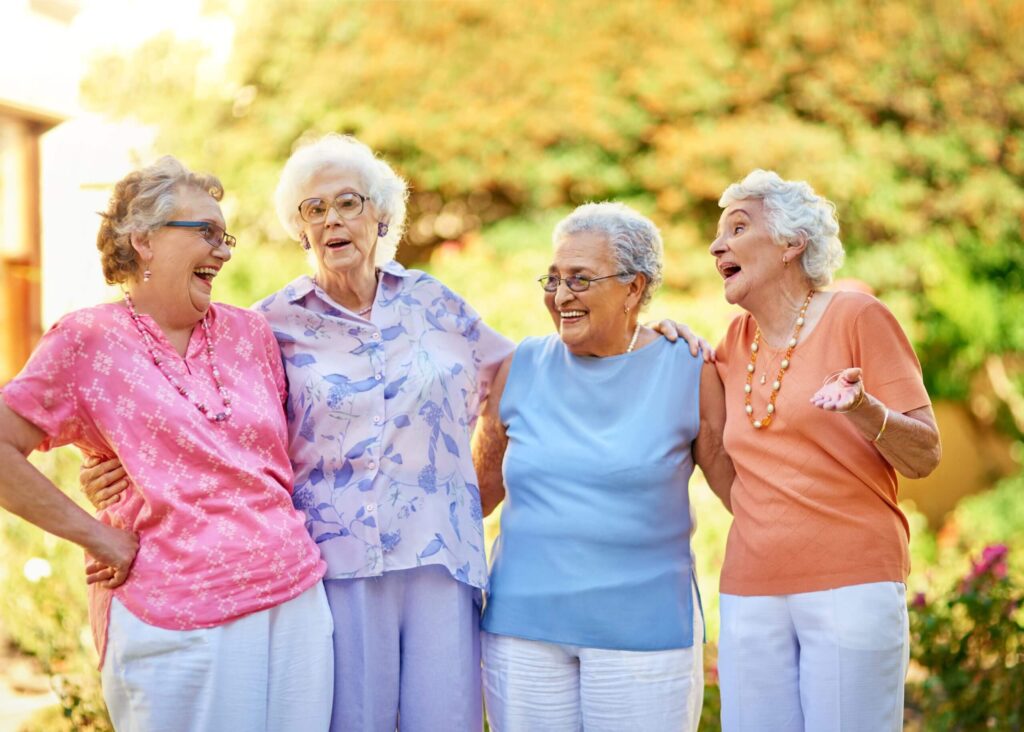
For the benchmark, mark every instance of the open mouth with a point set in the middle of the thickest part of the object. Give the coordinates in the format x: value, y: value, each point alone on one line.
x: 571, y: 316
x: 206, y: 274
x: 337, y: 243
x: 728, y: 270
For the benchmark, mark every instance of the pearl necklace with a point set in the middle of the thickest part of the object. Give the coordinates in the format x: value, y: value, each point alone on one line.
x: 632, y: 341
x: 159, y: 362
x: 777, y: 384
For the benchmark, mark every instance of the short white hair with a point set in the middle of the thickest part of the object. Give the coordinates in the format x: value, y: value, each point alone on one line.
x: 634, y: 239
x: 384, y: 187
x: 794, y: 212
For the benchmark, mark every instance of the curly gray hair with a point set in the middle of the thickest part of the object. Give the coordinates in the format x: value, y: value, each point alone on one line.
x: 142, y: 202
x: 793, y: 211
x: 634, y: 239
x: 384, y: 186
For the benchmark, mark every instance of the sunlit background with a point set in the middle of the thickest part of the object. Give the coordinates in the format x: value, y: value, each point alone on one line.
x: 505, y: 115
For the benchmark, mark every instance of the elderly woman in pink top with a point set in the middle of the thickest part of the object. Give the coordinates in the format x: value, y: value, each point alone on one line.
x: 205, y: 593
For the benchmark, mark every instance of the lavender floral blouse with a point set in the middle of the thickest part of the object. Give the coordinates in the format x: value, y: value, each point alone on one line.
x: 380, y: 412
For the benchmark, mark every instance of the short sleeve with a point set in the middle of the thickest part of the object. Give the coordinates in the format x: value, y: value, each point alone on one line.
x: 274, y: 357
x: 46, y: 392
x: 891, y: 371
x: 489, y: 348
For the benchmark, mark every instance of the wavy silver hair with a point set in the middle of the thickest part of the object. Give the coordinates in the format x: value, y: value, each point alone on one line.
x: 384, y: 186
x: 793, y: 211
x: 634, y: 239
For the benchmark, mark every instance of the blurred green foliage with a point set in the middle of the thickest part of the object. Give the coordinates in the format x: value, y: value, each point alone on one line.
x: 907, y: 113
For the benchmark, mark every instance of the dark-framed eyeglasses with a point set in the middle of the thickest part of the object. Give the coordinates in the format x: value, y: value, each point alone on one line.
x: 211, y: 233
x: 348, y: 206
x: 576, y: 283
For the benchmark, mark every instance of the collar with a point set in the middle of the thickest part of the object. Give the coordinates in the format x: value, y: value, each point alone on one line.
x: 302, y: 286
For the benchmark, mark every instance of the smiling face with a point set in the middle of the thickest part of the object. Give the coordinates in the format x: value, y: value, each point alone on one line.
x: 340, y: 246
x: 747, y: 257
x: 183, y: 265
x: 593, y: 322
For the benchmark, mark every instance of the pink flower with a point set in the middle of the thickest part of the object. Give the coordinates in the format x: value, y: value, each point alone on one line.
x: 993, y: 562
x: 919, y: 600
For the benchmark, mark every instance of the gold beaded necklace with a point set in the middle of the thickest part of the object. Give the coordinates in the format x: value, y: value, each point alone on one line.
x: 777, y: 384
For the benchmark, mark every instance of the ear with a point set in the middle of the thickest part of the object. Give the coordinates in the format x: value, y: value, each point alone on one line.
x: 140, y: 243
x: 794, y: 249
x: 636, y: 290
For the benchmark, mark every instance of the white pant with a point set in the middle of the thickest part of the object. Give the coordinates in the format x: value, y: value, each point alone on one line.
x: 531, y: 686
x: 271, y: 671
x: 829, y: 661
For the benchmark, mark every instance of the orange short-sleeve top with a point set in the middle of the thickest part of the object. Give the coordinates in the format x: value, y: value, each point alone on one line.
x: 814, y: 502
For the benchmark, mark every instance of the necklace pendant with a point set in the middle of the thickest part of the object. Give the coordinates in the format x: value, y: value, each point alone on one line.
x: 764, y: 378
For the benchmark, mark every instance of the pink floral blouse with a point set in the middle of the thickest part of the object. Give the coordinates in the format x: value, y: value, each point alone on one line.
x: 210, y: 502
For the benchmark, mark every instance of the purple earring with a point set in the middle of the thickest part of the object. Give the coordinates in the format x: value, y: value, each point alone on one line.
x: 382, y: 229
x: 305, y: 242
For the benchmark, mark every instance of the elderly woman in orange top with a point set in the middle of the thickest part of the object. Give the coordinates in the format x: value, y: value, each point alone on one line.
x: 824, y: 404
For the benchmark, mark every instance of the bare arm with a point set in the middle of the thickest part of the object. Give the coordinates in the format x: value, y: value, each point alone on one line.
x: 27, y: 493
x: 489, y: 443
x: 910, y: 442
x: 708, y: 450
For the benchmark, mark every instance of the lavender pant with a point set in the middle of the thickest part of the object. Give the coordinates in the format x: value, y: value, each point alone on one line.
x: 406, y: 653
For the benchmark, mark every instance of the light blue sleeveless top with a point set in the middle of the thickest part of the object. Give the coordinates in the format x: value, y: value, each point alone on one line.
x: 594, y: 548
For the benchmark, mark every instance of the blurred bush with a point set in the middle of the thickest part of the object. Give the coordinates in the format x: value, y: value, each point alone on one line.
x: 907, y: 113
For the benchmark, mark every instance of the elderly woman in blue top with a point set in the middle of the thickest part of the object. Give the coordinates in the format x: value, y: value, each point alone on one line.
x: 386, y: 371
x: 592, y: 620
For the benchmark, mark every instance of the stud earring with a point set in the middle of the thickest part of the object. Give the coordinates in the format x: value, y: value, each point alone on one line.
x: 382, y: 229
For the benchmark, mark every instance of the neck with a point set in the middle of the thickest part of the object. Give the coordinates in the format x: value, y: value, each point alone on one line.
x: 171, y: 317
x: 616, y: 344
x: 354, y: 289
x: 777, y: 310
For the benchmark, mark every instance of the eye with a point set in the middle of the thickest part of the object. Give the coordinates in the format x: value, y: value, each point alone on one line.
x: 348, y: 202
x: 738, y: 228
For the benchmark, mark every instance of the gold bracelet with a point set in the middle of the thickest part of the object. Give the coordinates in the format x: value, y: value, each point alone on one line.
x: 885, y: 421
x: 856, y: 405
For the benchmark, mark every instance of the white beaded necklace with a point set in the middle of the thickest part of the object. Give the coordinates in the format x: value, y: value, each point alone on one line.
x: 632, y: 341
x: 777, y: 384
x: 159, y: 362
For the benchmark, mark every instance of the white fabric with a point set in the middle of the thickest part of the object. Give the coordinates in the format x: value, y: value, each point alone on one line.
x: 271, y: 671
x: 532, y: 686
x: 829, y: 661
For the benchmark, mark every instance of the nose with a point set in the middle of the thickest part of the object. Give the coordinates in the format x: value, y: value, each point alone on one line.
x: 563, y: 294
x: 332, y: 216
x: 223, y: 251
x: 717, y: 247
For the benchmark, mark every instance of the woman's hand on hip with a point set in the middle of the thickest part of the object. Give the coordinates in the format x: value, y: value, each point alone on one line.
x: 102, y: 481
x: 112, y: 552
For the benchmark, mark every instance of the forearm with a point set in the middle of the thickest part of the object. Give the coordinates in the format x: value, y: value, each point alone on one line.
x: 27, y: 493
x: 488, y: 454
x: 717, y: 467
x: 909, y: 443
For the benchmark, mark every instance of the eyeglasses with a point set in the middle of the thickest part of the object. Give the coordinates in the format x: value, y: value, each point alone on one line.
x: 348, y: 205
x: 576, y: 283
x: 211, y: 233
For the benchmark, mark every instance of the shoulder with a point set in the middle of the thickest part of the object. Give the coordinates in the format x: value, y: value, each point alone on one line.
x: 284, y: 299
x: 88, y: 321
x: 860, y: 311
x: 236, y: 318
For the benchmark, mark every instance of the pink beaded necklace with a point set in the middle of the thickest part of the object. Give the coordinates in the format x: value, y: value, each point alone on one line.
x: 159, y: 362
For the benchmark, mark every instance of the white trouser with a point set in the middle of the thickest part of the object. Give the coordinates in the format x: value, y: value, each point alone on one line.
x: 829, y: 661
x: 271, y: 671
x: 531, y: 686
